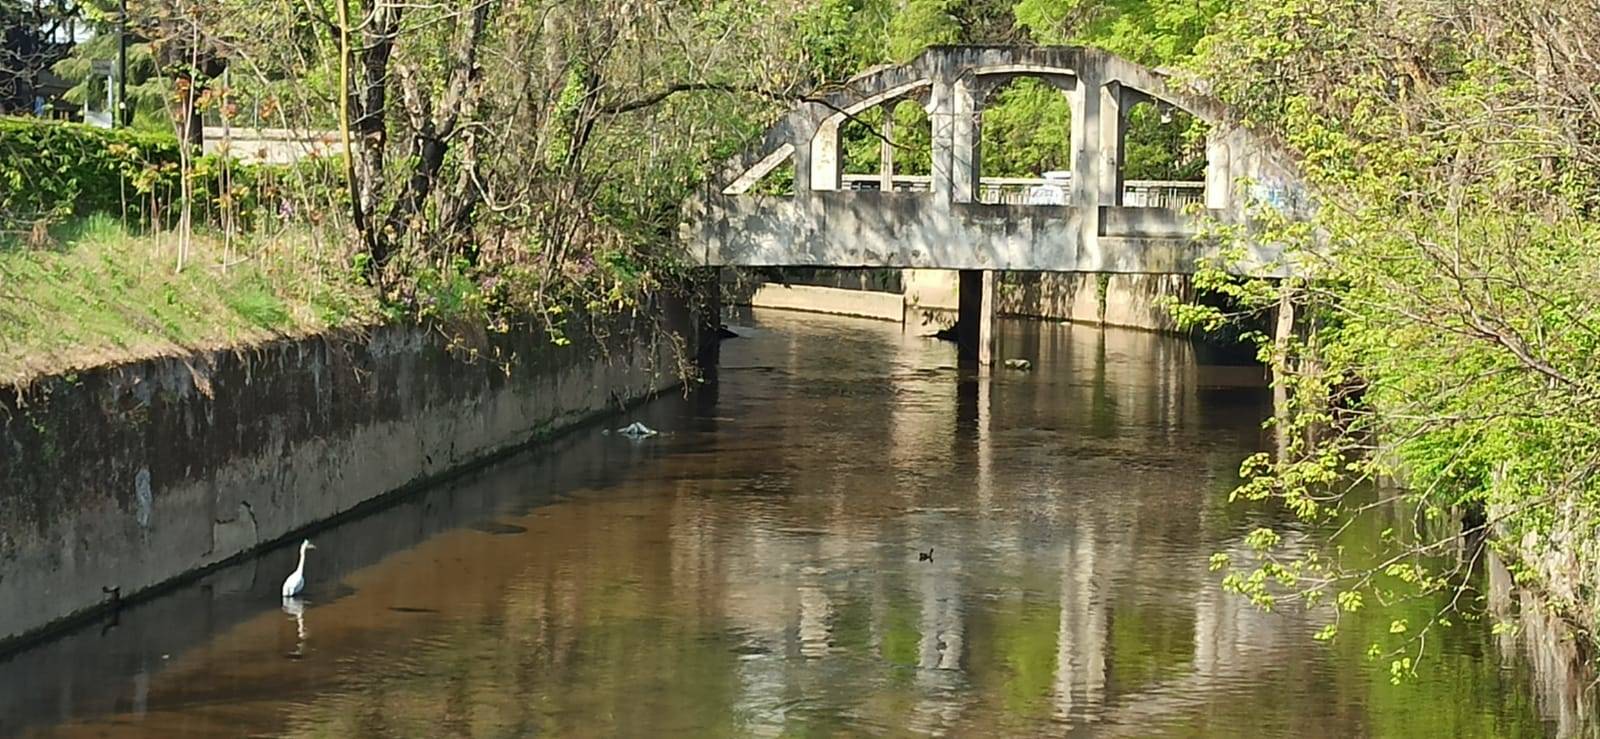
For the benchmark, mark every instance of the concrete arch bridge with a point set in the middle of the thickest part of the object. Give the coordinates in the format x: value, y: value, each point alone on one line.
x: 956, y: 218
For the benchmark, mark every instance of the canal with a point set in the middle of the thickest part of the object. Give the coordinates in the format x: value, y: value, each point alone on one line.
x: 760, y: 569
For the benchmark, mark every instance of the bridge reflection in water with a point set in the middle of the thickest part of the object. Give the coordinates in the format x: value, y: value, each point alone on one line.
x: 755, y: 571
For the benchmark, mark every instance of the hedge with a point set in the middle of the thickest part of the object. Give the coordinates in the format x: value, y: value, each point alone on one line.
x: 51, y: 170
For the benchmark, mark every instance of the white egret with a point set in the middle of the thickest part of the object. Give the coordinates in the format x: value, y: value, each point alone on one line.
x: 296, y: 581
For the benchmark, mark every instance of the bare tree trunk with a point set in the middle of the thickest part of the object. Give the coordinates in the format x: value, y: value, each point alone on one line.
x: 370, y: 98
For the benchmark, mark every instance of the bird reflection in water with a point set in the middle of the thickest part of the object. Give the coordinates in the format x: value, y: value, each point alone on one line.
x: 296, y: 608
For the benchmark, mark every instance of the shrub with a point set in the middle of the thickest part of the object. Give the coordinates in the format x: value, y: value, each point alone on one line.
x: 51, y: 170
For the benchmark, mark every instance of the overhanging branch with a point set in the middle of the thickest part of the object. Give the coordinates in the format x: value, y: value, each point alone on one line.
x: 661, y: 96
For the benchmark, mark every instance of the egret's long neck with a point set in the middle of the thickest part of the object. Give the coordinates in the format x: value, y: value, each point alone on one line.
x: 302, y: 566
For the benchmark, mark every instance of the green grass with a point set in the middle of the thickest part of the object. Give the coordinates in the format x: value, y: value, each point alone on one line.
x: 90, y: 293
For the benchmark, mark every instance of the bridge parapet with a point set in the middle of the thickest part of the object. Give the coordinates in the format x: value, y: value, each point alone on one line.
x: 955, y: 218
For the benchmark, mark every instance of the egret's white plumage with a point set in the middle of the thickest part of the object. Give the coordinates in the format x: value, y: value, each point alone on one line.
x: 296, y: 581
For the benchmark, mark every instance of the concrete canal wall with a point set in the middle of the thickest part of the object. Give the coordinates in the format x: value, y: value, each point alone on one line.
x: 1122, y: 301
x: 122, y: 479
x: 932, y: 298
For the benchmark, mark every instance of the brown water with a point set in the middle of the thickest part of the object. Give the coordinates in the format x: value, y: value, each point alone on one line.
x: 755, y: 571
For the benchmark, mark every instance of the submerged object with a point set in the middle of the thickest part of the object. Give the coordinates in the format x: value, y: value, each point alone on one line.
x: 1019, y: 364
x: 296, y: 581
x: 637, y: 430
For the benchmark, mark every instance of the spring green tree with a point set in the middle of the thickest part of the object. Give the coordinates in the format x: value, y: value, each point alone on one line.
x: 1448, y: 308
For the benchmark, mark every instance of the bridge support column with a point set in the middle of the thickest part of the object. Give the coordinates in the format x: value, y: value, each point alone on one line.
x: 1114, y: 104
x: 989, y: 328
x: 827, y: 157
x: 954, y: 116
x: 977, y: 332
x: 1089, y: 117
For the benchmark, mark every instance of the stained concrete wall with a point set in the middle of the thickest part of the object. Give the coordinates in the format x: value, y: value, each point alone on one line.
x: 830, y: 300
x: 272, y: 145
x: 128, y: 477
x: 76, y: 674
x: 1129, y: 301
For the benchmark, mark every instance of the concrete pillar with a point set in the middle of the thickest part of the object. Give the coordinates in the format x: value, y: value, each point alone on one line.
x: 803, y: 136
x: 953, y: 113
x: 1087, y: 162
x: 968, y: 144
x: 827, y: 156
x: 1085, y: 98
x: 977, y: 331
x: 1114, y: 104
x: 886, y: 150
x: 1283, y: 333
x: 988, y: 328
x: 969, y: 316
x: 1219, y: 180
x: 941, y: 120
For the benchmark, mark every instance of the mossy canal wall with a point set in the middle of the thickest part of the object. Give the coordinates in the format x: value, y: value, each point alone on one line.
x: 117, y: 481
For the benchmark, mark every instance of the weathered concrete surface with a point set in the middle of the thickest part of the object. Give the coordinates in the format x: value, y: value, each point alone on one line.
x: 945, y: 227
x: 1123, y: 301
x: 830, y: 300
x: 129, y: 477
x: 271, y: 145
x: 1128, y: 301
x: 913, y: 230
x: 77, y: 674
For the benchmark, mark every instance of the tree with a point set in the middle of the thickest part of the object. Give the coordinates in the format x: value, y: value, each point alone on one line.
x: 33, y: 36
x: 1450, y: 310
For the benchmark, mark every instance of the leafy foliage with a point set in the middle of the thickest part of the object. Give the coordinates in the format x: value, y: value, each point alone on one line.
x: 51, y: 170
x: 1449, y: 318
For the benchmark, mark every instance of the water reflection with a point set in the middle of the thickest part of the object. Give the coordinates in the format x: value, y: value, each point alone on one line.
x: 296, y: 608
x: 1563, y: 679
x: 754, y: 571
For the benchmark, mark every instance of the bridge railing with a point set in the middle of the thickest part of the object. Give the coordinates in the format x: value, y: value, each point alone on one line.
x: 1172, y: 194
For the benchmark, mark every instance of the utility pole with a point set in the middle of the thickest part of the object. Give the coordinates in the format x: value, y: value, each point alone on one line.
x: 123, y: 115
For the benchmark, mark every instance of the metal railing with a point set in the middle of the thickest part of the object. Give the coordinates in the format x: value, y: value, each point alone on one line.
x: 1172, y: 194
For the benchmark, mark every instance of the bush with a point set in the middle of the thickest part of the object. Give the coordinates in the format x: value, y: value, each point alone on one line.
x: 51, y: 170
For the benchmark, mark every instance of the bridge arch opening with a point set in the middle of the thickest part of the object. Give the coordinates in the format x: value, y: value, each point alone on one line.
x: 1162, y: 154
x: 827, y: 151
x: 1025, y: 139
x: 889, y: 148
x: 771, y: 175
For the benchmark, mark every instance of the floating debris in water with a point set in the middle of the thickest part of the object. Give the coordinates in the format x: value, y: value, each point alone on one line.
x: 1019, y: 364
x: 637, y: 430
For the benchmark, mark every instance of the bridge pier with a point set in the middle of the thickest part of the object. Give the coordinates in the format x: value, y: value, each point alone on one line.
x: 977, y: 332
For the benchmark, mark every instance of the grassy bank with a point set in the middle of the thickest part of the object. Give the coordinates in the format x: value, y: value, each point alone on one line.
x: 92, y: 294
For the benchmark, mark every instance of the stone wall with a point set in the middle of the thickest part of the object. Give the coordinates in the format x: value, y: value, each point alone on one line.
x: 129, y: 477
